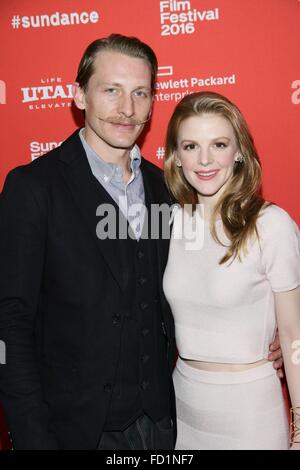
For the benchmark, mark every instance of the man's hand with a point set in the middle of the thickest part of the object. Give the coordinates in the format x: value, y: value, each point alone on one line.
x: 276, y: 356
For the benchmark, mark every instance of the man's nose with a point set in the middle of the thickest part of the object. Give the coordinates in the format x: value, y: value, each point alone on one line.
x: 126, y: 105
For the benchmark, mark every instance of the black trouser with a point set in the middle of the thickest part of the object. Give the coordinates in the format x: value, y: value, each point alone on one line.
x: 143, y: 434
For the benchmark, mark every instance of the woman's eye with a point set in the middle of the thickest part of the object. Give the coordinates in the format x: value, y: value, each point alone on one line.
x: 189, y: 147
x: 220, y: 145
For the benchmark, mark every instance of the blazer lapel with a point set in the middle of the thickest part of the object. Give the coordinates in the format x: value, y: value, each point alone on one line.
x: 87, y: 197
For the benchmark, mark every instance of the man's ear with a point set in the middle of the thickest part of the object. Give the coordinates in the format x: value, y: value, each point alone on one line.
x: 78, y: 96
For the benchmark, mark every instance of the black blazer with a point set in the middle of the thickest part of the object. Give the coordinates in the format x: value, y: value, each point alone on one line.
x: 60, y: 290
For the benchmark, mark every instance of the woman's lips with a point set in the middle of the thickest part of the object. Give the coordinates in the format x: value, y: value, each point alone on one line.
x: 206, y: 175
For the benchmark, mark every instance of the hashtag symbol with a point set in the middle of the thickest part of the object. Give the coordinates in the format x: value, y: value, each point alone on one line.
x: 15, y: 22
x: 160, y: 153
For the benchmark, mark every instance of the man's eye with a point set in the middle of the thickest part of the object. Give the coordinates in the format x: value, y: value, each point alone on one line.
x: 141, y: 93
x: 110, y: 90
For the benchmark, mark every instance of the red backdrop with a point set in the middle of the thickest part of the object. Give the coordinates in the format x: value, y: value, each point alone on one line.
x: 247, y: 50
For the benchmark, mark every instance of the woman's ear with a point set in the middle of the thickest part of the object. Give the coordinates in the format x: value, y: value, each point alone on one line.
x: 239, y: 157
x: 177, y: 161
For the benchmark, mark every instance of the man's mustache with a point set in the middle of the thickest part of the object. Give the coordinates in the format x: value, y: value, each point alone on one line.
x: 124, y: 122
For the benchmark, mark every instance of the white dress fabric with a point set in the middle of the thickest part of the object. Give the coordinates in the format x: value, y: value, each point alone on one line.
x: 226, y: 314
x: 230, y: 410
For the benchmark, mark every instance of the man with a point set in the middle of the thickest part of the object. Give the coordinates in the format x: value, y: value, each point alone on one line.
x: 89, y: 336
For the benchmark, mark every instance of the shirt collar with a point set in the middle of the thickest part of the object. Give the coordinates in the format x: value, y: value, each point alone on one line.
x: 108, y: 170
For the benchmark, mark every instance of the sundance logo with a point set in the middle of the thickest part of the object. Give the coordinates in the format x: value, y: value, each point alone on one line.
x: 52, y: 93
x: 37, y: 149
x: 179, y: 17
x: 56, y: 19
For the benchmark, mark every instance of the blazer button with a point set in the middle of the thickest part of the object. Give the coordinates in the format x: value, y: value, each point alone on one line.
x: 115, y: 319
x: 144, y: 305
x: 145, y: 331
x: 140, y: 254
x: 144, y: 384
x: 107, y: 387
x: 145, y: 358
x: 142, y: 281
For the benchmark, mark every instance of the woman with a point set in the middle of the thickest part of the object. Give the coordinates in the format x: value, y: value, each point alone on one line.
x: 224, y: 294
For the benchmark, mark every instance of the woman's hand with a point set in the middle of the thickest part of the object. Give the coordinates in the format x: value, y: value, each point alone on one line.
x: 276, y: 356
x: 295, y: 446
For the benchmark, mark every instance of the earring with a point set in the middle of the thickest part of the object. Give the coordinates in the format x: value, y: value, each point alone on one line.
x: 239, y: 158
x: 178, y: 162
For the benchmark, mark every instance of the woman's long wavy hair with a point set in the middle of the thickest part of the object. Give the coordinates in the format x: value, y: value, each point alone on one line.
x: 241, y: 202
